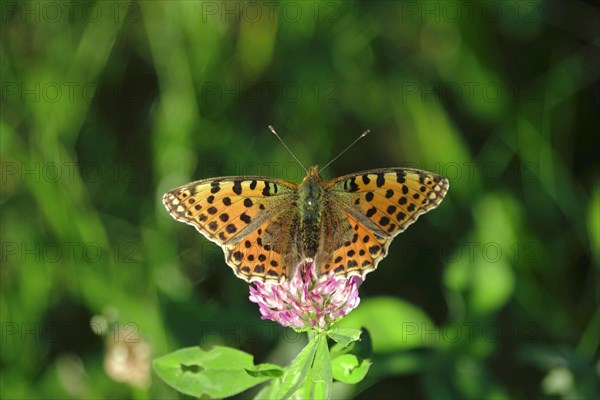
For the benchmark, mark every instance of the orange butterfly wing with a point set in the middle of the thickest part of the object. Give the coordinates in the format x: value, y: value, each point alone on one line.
x: 234, y: 212
x: 379, y: 204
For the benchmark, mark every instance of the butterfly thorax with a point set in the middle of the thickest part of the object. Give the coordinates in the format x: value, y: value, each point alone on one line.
x: 310, y: 202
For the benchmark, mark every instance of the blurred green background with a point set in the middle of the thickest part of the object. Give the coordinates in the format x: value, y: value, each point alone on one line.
x: 107, y: 105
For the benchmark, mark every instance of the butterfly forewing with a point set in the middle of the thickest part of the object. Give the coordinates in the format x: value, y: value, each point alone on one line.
x: 231, y: 212
x: 380, y: 204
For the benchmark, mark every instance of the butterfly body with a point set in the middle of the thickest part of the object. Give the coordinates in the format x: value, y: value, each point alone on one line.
x: 267, y: 227
x: 310, y: 207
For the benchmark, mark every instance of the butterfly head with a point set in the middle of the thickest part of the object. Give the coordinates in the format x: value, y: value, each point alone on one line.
x: 313, y: 173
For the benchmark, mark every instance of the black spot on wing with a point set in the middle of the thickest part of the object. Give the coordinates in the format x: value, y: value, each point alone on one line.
x: 237, y: 187
x: 267, y: 190
x: 231, y: 228
x: 380, y: 180
x: 259, y: 269
x: 374, y: 249
x: 401, y: 176
x: 350, y: 185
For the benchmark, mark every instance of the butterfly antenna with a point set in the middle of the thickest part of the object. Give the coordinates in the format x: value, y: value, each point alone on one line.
x: 287, y: 148
x: 362, y: 135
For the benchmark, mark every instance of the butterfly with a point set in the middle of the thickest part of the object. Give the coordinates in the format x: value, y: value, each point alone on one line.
x: 267, y: 227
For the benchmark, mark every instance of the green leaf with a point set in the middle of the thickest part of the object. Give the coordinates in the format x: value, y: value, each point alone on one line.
x: 393, y: 324
x: 350, y: 369
x: 266, y: 370
x: 269, y: 391
x: 297, y: 372
x: 344, y: 336
x: 321, y: 373
x: 220, y: 372
x: 362, y: 347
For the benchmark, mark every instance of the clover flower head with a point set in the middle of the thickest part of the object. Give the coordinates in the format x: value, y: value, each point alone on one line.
x: 306, y: 300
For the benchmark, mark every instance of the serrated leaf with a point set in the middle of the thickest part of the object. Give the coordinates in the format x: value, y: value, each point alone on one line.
x: 348, y: 368
x: 297, y: 372
x: 220, y: 372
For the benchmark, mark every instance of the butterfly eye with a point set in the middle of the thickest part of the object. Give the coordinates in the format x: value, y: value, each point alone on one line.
x: 310, y: 203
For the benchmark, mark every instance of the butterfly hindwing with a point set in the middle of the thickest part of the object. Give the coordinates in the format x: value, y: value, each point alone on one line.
x: 231, y: 212
x: 253, y: 259
x: 358, y: 255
